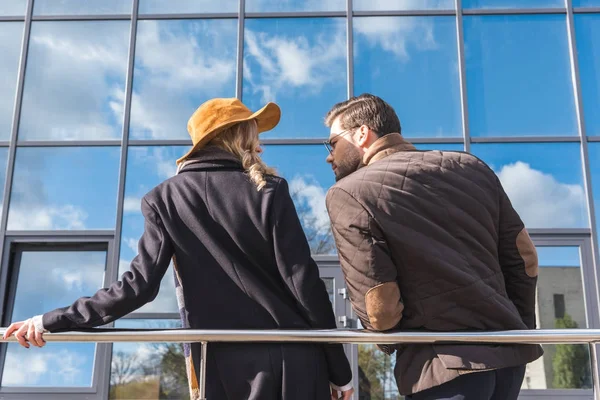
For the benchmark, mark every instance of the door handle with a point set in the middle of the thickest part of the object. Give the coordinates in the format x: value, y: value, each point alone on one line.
x: 343, y: 292
x: 345, y: 321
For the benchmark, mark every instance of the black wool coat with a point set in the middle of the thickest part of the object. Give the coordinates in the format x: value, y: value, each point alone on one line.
x: 241, y: 261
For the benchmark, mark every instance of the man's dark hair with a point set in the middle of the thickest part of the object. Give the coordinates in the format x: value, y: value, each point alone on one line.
x: 368, y: 110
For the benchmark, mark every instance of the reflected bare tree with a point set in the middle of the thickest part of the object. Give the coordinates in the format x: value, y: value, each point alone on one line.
x: 317, y: 233
x: 124, y: 367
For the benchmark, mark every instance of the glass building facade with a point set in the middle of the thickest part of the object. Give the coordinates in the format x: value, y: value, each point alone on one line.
x: 94, y: 100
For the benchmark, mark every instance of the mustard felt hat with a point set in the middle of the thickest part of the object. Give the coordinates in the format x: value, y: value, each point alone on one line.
x: 216, y: 115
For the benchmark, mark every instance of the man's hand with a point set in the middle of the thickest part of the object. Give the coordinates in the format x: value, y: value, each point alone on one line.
x: 25, y: 332
x: 346, y: 395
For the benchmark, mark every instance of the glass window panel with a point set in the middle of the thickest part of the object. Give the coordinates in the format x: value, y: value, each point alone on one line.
x: 309, y: 177
x: 594, y: 156
x: 300, y: 64
x: 68, y: 275
x: 519, y: 76
x: 543, y: 181
x: 13, y: 7
x: 11, y: 34
x: 392, y: 5
x: 188, y: 6
x: 178, y: 66
x: 412, y: 63
x: 440, y: 146
x: 148, y: 370
x: 146, y: 168
x: 586, y: 3
x: 75, y: 80
x: 66, y: 188
x: 295, y: 5
x: 587, y: 31
x: 3, y: 165
x: 512, y: 3
x: 79, y: 7
x: 560, y: 287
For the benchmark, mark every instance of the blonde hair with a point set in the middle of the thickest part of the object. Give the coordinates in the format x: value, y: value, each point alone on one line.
x: 242, y: 141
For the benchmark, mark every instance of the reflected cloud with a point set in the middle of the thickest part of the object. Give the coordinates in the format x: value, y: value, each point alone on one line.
x: 396, y: 34
x: 188, y: 6
x: 391, y: 5
x: 541, y: 200
x: 75, y: 80
x: 287, y: 62
x: 179, y: 65
x: 67, y: 217
x: 294, y: 5
x: 132, y: 204
x: 10, y: 48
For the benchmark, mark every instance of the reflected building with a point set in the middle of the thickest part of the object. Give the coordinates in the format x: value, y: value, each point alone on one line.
x: 94, y: 101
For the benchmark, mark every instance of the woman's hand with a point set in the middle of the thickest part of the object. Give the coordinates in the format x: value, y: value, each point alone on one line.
x: 25, y: 331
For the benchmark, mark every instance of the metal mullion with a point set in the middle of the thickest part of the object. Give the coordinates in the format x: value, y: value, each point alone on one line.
x: 69, y: 143
x: 299, y: 14
x: 349, y: 49
x: 513, y: 11
x: 240, y: 51
x: 404, y: 13
x: 593, y: 139
x: 163, y: 142
x: 560, y: 232
x: 462, y: 76
x: 153, y: 315
x: 188, y: 16
x: 12, y: 150
x: 587, y: 180
x: 526, y: 139
x: 62, y: 234
x: 5, y: 143
x: 9, y: 18
x: 585, y: 10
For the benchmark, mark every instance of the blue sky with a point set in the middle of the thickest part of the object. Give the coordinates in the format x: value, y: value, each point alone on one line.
x: 13, y: 7
x: 188, y: 6
x: 70, y: 7
x: 587, y: 28
x: 512, y: 3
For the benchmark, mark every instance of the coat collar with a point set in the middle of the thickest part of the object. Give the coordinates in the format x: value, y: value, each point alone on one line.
x: 383, y: 147
x: 210, y: 156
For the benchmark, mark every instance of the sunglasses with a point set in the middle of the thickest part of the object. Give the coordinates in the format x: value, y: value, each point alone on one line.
x: 330, y: 146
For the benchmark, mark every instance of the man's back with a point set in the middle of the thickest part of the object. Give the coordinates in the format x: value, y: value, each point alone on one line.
x: 440, y: 225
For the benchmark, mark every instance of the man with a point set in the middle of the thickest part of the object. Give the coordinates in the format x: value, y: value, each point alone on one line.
x: 428, y: 240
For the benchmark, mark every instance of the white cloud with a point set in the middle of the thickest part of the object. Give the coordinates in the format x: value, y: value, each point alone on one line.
x: 175, y: 66
x: 131, y: 243
x: 47, y: 366
x: 395, y: 34
x: 80, y: 278
x: 541, y: 200
x: 132, y: 204
x: 294, y: 63
x: 40, y: 217
x: 10, y: 48
x: 390, y: 5
x: 311, y: 194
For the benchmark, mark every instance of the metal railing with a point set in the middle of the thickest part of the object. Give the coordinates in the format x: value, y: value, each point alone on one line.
x: 540, y: 336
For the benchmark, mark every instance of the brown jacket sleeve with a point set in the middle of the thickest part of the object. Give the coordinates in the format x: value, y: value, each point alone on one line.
x: 300, y: 274
x: 518, y: 259
x: 371, y: 275
x: 136, y: 287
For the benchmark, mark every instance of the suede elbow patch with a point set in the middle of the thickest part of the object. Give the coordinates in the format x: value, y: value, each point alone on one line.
x: 528, y: 252
x: 384, y: 307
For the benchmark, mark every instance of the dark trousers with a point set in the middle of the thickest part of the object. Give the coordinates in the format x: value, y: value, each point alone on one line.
x: 501, y: 384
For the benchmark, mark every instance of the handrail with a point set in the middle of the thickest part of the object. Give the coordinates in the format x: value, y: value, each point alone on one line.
x: 354, y: 336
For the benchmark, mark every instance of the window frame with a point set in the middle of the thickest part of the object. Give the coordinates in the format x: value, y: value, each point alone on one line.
x: 15, y: 245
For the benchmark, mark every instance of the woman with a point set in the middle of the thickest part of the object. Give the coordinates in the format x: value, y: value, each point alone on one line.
x: 241, y: 262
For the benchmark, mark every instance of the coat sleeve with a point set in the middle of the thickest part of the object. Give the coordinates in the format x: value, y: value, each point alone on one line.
x: 518, y: 259
x: 301, y: 275
x: 137, y: 287
x: 370, y: 272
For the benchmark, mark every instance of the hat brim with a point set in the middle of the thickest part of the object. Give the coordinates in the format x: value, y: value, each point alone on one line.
x: 266, y: 118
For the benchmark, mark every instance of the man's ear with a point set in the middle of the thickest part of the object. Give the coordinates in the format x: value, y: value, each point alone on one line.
x: 363, y: 136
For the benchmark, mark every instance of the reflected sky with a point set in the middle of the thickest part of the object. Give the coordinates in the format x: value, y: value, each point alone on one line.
x: 586, y: 3
x: 543, y: 180
x: 179, y: 65
x: 558, y: 256
x: 3, y: 165
x: 74, y: 7
x: 594, y: 157
x: 519, y: 76
x: 512, y: 3
x: 440, y: 146
x: 68, y: 275
x: 13, y: 7
x: 146, y: 168
x: 412, y: 63
x: 390, y: 5
x: 300, y: 64
x: 64, y: 188
x: 294, y: 5
x: 587, y: 32
x: 11, y: 34
x: 75, y: 80
x: 188, y: 6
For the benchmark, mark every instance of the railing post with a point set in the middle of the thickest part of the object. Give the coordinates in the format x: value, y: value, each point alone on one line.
x: 202, y: 383
x: 595, y: 376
